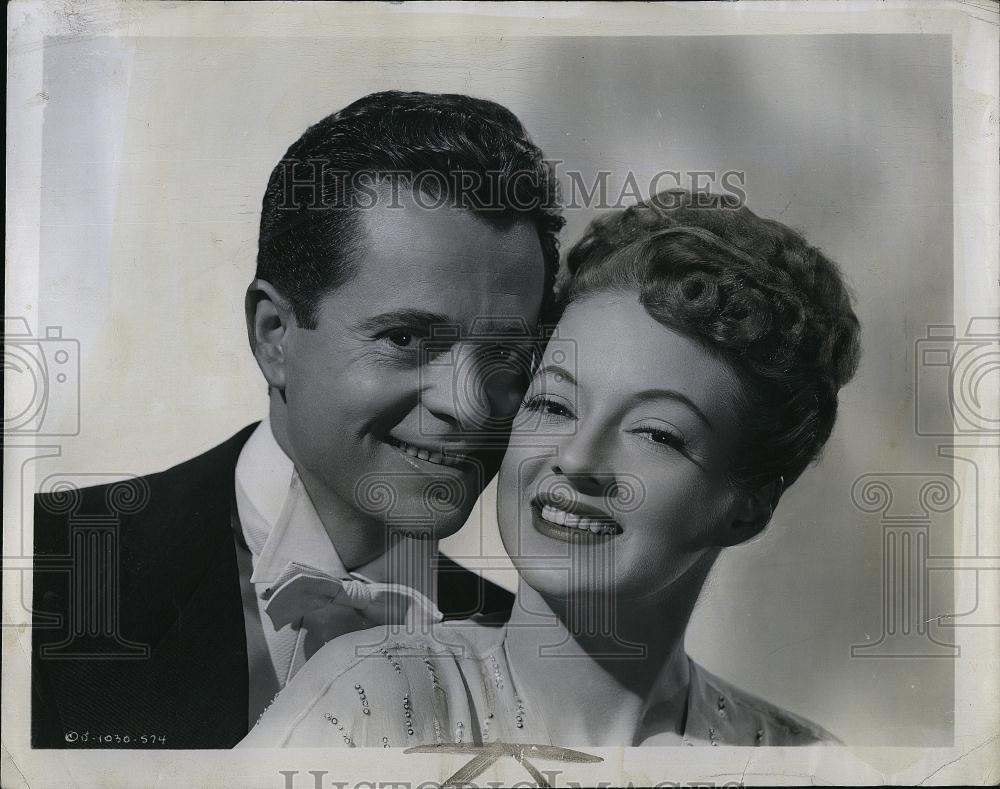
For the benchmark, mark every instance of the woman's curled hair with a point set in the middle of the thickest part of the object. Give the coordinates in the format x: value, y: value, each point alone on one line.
x: 754, y: 293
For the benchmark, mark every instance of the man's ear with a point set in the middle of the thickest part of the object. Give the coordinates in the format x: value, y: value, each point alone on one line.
x: 269, y: 318
x: 753, y: 510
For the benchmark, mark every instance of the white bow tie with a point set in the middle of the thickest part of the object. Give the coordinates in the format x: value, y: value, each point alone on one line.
x: 324, y: 607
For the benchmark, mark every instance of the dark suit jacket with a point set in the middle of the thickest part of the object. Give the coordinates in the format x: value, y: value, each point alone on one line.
x: 138, y: 625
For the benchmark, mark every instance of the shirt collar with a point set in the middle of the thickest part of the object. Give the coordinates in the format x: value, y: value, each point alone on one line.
x: 278, y: 519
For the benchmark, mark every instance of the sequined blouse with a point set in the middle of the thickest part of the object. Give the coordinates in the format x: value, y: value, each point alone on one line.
x: 387, y: 688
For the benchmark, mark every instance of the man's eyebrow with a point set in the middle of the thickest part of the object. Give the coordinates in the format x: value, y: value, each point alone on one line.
x: 404, y: 317
x: 558, y: 372
x: 671, y: 394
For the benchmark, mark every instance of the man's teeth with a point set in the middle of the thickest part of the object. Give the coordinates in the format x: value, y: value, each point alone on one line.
x: 424, y: 454
x: 571, y: 521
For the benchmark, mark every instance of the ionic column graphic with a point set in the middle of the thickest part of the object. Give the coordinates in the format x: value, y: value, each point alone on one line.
x: 905, y: 503
x: 93, y: 565
x: 979, y: 549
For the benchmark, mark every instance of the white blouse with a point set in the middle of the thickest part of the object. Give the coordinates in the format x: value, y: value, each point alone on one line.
x: 390, y: 688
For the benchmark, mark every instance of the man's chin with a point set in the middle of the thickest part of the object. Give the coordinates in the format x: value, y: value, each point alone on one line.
x: 423, y: 532
x: 412, y: 519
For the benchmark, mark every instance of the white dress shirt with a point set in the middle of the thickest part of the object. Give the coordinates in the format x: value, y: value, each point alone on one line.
x: 279, y: 525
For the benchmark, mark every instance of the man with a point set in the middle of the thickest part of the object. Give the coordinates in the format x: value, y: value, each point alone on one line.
x: 407, y: 253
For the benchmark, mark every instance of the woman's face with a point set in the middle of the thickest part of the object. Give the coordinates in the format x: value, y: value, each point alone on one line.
x: 615, y: 477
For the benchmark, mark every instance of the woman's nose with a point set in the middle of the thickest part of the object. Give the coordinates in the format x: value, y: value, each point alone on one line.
x: 587, y: 483
x: 584, y: 466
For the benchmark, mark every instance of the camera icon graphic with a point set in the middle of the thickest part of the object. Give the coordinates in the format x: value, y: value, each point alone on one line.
x: 42, y: 381
x: 485, y: 372
x: 963, y: 369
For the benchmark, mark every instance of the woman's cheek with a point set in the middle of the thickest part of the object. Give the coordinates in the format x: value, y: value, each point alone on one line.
x: 674, y: 518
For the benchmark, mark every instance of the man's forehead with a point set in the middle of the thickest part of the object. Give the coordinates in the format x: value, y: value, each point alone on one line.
x: 451, y: 238
x: 465, y: 267
x: 475, y: 273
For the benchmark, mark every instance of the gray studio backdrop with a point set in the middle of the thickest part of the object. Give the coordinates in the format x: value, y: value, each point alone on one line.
x: 156, y: 152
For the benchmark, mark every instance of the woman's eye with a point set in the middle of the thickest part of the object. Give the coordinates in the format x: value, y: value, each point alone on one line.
x: 549, y: 407
x: 663, y: 437
x: 557, y: 409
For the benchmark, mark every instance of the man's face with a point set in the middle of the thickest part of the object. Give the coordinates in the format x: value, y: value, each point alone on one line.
x: 390, y: 399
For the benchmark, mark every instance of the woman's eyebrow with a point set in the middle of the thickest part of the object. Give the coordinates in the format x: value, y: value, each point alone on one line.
x: 671, y: 394
x: 561, y: 372
x: 405, y: 317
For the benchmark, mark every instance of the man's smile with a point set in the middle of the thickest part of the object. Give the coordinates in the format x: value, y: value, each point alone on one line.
x: 439, y: 456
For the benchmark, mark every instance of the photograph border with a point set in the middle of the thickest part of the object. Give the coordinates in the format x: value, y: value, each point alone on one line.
x: 975, y: 756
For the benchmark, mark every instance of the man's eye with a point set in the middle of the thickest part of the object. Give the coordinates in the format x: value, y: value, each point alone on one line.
x: 401, y: 339
x: 516, y: 357
x: 498, y: 354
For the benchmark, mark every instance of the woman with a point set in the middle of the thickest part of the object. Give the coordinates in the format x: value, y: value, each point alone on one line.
x: 710, y: 345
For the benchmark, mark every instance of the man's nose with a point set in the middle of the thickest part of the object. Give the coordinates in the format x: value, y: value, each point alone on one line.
x: 455, y: 392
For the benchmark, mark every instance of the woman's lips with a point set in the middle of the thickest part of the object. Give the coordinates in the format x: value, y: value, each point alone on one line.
x: 581, y: 509
x: 571, y: 521
x: 567, y: 520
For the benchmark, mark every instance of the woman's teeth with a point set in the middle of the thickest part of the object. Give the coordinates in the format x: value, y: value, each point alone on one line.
x: 424, y: 454
x: 571, y: 521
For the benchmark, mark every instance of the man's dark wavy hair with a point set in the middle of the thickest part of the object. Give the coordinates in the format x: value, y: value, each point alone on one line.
x: 448, y: 146
x: 754, y: 293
